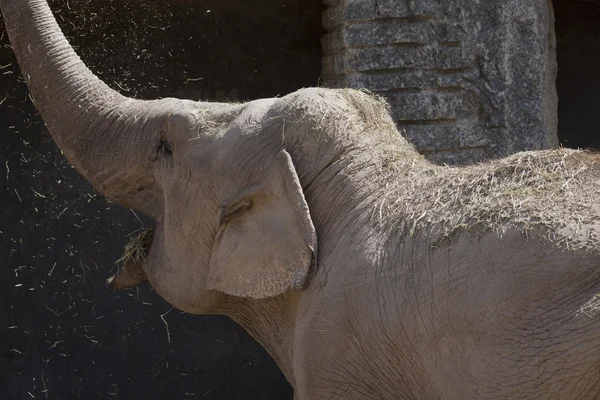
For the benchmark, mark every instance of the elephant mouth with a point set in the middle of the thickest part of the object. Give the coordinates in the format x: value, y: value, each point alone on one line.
x: 136, y: 250
x: 130, y: 263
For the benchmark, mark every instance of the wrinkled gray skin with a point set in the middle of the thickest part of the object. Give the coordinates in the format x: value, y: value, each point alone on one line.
x: 265, y: 212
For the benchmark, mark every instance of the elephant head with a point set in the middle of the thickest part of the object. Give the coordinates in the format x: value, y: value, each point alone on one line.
x: 234, y: 218
x: 230, y: 213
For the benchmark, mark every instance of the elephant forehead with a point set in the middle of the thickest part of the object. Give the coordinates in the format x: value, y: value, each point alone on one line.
x: 225, y: 140
x: 233, y: 145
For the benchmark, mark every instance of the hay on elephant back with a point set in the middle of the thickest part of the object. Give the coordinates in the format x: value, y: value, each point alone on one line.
x: 554, y: 193
x: 136, y: 250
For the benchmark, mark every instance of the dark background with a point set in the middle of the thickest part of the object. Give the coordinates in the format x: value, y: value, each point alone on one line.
x: 578, y: 81
x: 63, y: 333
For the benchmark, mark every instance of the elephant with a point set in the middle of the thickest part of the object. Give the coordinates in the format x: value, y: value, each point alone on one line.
x: 365, y: 271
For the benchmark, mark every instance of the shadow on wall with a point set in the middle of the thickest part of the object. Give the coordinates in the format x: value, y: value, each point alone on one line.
x: 578, y: 82
x: 63, y: 333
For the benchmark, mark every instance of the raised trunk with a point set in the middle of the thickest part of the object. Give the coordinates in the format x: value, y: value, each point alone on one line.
x: 98, y: 130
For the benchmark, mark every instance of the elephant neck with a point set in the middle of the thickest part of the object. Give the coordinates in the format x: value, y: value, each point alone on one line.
x: 346, y: 149
x: 345, y: 180
x: 271, y: 322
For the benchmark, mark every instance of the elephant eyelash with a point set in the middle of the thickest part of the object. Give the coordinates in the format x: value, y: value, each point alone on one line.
x: 236, y: 210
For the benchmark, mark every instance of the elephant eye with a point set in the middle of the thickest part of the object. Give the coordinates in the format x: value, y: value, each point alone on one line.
x: 163, y: 149
x: 236, y: 210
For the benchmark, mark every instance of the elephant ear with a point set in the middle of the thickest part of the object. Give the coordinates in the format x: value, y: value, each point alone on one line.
x: 268, y: 245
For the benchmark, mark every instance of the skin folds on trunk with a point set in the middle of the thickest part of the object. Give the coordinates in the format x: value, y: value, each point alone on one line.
x: 101, y: 132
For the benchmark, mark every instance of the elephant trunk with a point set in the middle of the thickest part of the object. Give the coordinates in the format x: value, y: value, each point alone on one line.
x: 98, y: 129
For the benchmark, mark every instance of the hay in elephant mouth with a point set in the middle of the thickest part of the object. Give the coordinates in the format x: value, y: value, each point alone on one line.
x: 136, y: 250
x: 553, y: 193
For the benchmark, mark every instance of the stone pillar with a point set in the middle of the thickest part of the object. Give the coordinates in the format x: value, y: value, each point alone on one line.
x: 466, y: 79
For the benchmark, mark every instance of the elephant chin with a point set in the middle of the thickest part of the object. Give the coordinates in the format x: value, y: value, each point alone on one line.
x: 130, y: 275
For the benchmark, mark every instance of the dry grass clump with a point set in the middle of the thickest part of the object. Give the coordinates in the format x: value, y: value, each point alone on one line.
x: 591, y: 308
x: 136, y: 250
x: 347, y: 118
x: 213, y: 117
x: 554, y: 193
x: 374, y: 114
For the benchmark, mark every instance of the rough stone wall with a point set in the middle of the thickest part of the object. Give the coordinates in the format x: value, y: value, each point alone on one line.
x: 466, y: 79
